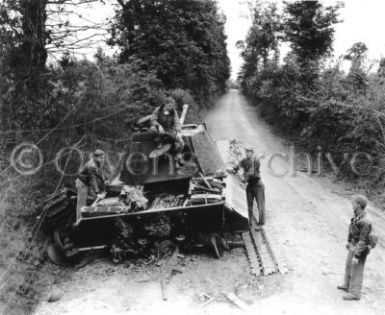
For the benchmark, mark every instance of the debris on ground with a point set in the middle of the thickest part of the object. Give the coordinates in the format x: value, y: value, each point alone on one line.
x: 211, y: 299
x: 205, y: 299
x: 55, y: 295
x: 237, y: 301
x: 165, y: 281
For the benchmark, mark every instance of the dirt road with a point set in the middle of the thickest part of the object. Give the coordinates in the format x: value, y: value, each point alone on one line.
x: 308, y: 216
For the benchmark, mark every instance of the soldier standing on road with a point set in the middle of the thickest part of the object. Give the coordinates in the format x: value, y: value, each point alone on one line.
x: 91, y: 182
x: 358, y: 249
x: 252, y: 176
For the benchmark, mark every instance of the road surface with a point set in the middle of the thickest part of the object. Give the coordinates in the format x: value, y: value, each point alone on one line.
x: 308, y: 217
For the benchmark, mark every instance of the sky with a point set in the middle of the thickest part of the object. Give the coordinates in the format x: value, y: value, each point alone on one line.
x: 362, y: 21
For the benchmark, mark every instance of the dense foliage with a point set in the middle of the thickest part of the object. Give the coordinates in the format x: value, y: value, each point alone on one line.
x: 309, y: 31
x: 179, y: 44
x: 322, y: 107
x: 182, y: 41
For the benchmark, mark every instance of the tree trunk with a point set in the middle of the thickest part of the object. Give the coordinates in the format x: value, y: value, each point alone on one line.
x: 27, y: 61
x: 33, y: 53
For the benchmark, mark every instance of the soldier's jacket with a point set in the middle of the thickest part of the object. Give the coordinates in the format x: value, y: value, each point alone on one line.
x: 170, y: 123
x: 359, y: 231
x: 251, y: 167
x: 93, y: 177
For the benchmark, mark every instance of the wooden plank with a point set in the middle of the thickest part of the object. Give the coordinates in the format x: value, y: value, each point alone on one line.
x: 163, y: 288
x: 238, y: 302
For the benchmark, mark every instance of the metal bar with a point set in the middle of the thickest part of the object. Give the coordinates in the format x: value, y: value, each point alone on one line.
x: 147, y: 212
x: 184, y: 114
x: 83, y: 249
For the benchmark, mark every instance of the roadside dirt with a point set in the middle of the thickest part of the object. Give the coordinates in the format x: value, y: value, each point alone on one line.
x: 308, y: 217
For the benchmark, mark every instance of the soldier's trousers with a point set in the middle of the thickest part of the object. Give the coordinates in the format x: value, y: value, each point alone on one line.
x: 170, y: 137
x: 354, y: 274
x: 82, y: 191
x: 257, y: 192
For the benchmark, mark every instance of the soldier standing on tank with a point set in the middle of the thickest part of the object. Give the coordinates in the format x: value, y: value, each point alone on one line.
x: 91, y: 182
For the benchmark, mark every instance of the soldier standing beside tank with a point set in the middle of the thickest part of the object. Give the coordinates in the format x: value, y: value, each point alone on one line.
x: 255, y: 189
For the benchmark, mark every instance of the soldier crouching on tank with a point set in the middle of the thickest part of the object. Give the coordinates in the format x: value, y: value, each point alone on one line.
x: 358, y: 246
x: 252, y: 177
x: 91, y: 181
x: 166, y: 125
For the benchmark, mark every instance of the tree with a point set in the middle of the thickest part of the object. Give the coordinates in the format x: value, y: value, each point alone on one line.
x: 182, y: 40
x: 24, y: 56
x: 357, y: 54
x: 71, y: 29
x: 265, y: 33
x: 357, y: 75
x: 261, y: 48
x: 309, y: 30
x: 381, y: 70
x: 8, y: 35
x: 28, y: 29
x: 30, y: 58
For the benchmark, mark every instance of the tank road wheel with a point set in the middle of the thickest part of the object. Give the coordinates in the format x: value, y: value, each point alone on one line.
x: 218, y: 244
x: 61, y: 251
x: 56, y: 254
x: 214, y: 246
x: 167, y: 248
x: 258, y: 216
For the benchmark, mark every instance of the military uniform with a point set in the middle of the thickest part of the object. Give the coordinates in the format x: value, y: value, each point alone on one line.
x: 171, y: 125
x: 93, y: 177
x: 90, y: 182
x: 358, y: 247
x: 255, y: 187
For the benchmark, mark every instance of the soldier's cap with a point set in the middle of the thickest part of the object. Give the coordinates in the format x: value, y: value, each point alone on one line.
x: 361, y: 200
x: 249, y: 148
x: 98, y: 153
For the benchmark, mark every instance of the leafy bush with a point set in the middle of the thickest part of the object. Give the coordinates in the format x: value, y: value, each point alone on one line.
x: 321, y: 107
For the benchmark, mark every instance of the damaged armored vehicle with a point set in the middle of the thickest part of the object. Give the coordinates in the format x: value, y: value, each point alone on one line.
x: 153, y: 205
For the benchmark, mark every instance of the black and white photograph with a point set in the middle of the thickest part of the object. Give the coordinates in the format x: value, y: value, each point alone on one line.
x: 210, y: 157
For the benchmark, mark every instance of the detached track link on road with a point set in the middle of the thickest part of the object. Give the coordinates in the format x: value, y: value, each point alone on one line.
x: 269, y: 267
x: 251, y: 254
x: 279, y: 259
x: 260, y: 254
